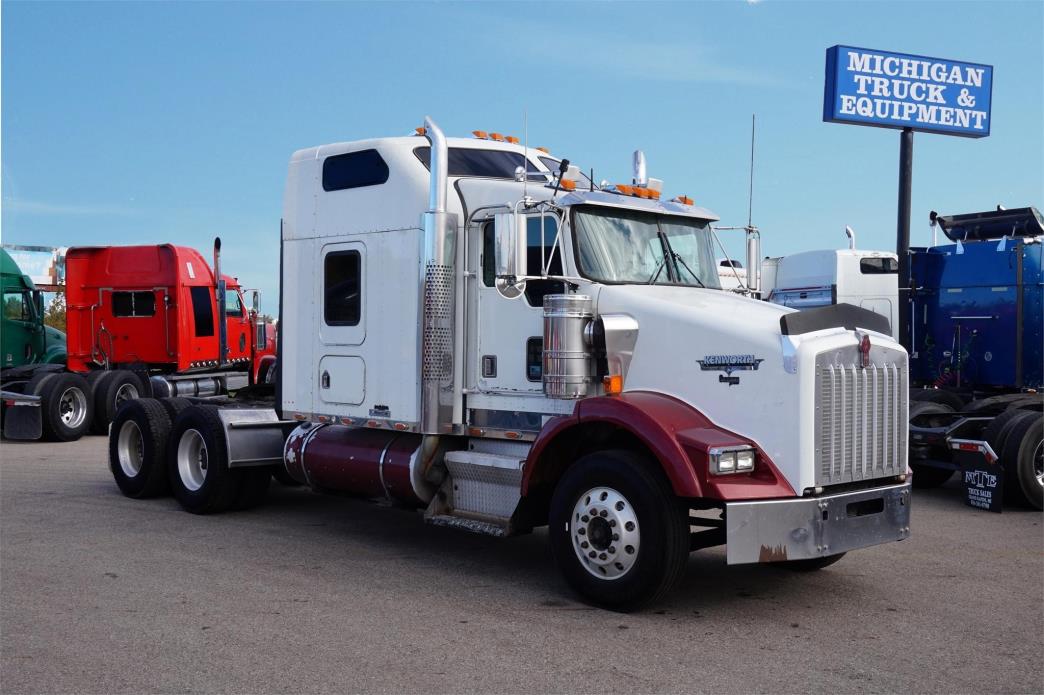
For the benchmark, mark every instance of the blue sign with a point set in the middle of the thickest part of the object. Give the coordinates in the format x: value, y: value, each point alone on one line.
x: 895, y: 90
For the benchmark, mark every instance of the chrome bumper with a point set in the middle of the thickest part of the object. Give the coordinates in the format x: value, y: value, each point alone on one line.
x: 810, y: 527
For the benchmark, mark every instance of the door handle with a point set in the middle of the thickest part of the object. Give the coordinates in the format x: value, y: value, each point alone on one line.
x: 326, y: 380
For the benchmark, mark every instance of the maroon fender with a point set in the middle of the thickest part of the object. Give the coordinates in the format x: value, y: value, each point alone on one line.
x: 678, y: 435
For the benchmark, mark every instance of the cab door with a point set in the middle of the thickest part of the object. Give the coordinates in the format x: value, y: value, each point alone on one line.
x: 505, y: 335
x: 237, y: 325
x: 23, y: 335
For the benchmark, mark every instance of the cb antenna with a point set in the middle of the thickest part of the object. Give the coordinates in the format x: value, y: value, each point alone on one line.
x: 750, y: 191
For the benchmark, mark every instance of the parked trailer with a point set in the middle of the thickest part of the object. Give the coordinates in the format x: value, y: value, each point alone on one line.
x: 565, y: 358
x: 140, y: 321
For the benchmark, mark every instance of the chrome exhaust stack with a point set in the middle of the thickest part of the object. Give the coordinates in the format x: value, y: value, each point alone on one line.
x: 219, y: 296
x: 438, y: 282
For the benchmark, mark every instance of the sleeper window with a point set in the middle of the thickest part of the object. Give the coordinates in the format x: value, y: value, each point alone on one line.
x: 133, y: 304
x: 342, y: 288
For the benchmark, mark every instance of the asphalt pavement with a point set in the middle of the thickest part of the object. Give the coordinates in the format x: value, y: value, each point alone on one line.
x: 307, y: 594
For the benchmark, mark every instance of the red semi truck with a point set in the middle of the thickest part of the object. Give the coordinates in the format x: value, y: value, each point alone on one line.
x: 147, y: 321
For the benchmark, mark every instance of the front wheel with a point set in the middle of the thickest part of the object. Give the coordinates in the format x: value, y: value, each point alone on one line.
x: 618, y: 534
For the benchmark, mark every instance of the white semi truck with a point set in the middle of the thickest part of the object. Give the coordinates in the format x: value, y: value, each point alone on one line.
x: 473, y: 329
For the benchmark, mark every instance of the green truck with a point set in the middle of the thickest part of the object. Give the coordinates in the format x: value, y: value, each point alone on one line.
x: 40, y: 397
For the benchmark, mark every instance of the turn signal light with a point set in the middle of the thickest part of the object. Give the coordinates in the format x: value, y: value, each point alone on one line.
x: 481, y: 134
x: 613, y: 384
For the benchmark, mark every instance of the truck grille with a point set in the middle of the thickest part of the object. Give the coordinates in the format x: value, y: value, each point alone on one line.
x: 861, y: 420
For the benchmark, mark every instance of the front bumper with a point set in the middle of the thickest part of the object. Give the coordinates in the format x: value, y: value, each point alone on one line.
x: 811, y: 527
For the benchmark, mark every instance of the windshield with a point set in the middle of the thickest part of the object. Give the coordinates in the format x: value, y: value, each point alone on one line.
x: 628, y: 246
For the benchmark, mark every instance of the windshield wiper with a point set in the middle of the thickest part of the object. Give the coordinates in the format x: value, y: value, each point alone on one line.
x: 677, y: 257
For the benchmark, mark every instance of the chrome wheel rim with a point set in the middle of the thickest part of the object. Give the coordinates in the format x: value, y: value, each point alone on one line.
x: 72, y: 407
x: 130, y: 448
x: 192, y: 460
x: 127, y: 392
x: 605, y: 534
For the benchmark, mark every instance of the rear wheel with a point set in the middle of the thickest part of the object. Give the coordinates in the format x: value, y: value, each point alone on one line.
x: 174, y: 406
x: 618, y: 534
x: 111, y: 391
x: 138, y: 448
x: 199, y: 474
x: 1023, y: 459
x: 66, y: 405
x: 930, y: 415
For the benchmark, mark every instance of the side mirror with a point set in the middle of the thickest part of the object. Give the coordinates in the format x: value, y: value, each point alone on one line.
x: 255, y: 302
x: 510, y: 248
x: 38, y: 302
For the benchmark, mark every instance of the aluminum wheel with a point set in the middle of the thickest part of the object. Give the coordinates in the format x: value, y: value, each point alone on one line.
x: 130, y: 448
x: 72, y: 407
x: 605, y: 533
x: 192, y: 460
x: 127, y: 392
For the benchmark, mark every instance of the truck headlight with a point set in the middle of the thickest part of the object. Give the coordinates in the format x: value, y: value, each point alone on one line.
x: 731, y: 459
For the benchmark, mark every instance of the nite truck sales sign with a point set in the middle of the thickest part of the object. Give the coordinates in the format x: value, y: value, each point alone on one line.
x: 894, y: 90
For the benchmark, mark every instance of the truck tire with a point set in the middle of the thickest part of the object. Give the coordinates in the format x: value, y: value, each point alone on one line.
x: 938, y: 396
x: 1023, y: 459
x: 997, y: 431
x: 925, y: 476
x: 199, y: 474
x: 138, y: 448
x: 618, y: 534
x: 811, y: 564
x: 112, y: 390
x: 66, y: 407
x: 174, y: 406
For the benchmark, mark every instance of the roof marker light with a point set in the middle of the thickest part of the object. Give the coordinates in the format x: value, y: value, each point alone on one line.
x: 544, y: 150
x: 624, y: 189
x: 512, y: 139
x: 421, y: 130
x: 480, y: 134
x: 683, y: 199
x: 567, y: 185
x: 496, y: 136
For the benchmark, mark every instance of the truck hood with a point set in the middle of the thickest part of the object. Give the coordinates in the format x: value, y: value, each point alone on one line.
x: 721, y: 353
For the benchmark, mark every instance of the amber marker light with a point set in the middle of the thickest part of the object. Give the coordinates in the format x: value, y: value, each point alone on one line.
x: 480, y: 134
x: 613, y: 384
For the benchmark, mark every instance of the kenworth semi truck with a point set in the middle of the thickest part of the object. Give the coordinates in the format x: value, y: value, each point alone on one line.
x: 140, y: 320
x: 472, y: 329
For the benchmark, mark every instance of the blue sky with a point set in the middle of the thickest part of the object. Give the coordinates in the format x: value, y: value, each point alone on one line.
x: 149, y: 122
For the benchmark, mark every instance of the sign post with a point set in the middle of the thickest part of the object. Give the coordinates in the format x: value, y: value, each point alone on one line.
x: 906, y: 92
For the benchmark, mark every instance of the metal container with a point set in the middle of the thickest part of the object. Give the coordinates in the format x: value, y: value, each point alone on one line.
x: 568, y: 361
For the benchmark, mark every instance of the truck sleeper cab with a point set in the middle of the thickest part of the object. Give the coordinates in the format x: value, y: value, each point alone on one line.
x: 471, y: 329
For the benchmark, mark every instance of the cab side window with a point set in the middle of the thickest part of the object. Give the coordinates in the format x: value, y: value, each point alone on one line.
x: 233, y: 305
x: 17, y: 307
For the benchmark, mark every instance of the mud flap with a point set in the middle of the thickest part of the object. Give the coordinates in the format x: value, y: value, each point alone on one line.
x: 23, y: 419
